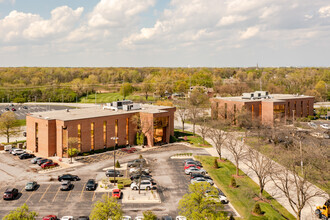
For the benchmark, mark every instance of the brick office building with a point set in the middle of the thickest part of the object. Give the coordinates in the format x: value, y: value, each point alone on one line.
x: 264, y: 107
x: 48, y: 133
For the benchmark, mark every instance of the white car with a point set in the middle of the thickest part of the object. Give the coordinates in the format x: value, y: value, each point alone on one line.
x: 180, y: 217
x: 201, y: 179
x: 221, y: 197
x: 139, y: 217
x: 325, y: 126
x: 195, y: 170
x: 312, y: 124
x: 126, y: 217
x: 145, y: 184
x: 17, y: 151
x: 137, y: 169
x: 67, y: 218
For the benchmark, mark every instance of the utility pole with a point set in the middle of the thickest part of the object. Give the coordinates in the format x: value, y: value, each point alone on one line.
x: 62, y: 98
x: 114, y: 158
x: 301, y: 157
x: 49, y: 103
x: 35, y: 99
x: 76, y: 101
x: 95, y: 97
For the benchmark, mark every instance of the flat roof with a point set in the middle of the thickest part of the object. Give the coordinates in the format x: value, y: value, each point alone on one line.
x: 85, y: 113
x: 274, y: 98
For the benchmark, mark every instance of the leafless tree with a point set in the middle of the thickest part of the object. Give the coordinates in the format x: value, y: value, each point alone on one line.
x: 203, y: 128
x: 182, y: 111
x: 261, y: 165
x: 217, y: 135
x: 196, y: 103
x: 295, y: 187
x: 236, y: 148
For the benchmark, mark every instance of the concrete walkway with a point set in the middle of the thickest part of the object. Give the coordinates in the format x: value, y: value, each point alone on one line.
x: 307, y: 212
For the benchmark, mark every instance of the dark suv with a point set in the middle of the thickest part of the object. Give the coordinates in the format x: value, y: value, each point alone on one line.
x: 68, y: 177
x: 25, y: 156
x: 10, y: 193
x: 111, y: 173
x: 42, y: 161
x: 135, y: 163
x: 90, y: 185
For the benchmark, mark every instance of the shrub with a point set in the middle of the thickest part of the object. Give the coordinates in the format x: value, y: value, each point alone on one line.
x: 149, y: 215
x: 216, y: 166
x: 120, y: 186
x: 173, y: 139
x: 233, y: 182
x: 140, y: 157
x: 231, y: 217
x: 117, y: 164
x: 257, y: 209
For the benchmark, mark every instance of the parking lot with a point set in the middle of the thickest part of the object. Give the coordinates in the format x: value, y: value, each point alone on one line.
x: 171, y: 184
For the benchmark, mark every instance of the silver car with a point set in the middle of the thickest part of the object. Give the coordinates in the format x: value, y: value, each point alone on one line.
x: 201, y: 179
x: 191, y: 170
x: 30, y: 186
x: 66, y: 185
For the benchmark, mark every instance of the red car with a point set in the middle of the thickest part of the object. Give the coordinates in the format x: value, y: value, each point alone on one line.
x: 49, y: 164
x: 129, y: 149
x: 13, y: 109
x: 50, y: 217
x: 191, y: 165
x: 116, y: 193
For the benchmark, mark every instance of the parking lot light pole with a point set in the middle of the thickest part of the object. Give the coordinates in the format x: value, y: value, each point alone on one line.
x: 114, y: 159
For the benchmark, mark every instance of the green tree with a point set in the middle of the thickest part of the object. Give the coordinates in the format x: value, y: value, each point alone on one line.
x: 196, y: 204
x: 202, y: 79
x: 21, y: 213
x: 72, y: 144
x: 106, y: 209
x: 126, y: 89
x: 149, y: 215
x: 9, y: 125
x: 147, y: 88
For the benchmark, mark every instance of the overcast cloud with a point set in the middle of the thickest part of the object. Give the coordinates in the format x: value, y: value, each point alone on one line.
x: 212, y: 33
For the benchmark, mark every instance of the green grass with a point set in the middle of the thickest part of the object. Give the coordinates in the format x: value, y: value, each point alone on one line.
x: 187, y: 136
x: 242, y: 197
x: 21, y: 122
x: 110, y: 97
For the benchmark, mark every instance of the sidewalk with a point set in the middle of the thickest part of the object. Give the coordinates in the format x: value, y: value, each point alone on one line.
x: 307, y: 212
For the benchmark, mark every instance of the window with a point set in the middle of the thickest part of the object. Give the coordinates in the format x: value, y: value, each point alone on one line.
x: 252, y: 111
x: 301, y: 109
x: 116, y: 131
x: 36, y: 132
x: 105, y: 133
x: 289, y: 109
x: 92, y: 136
x: 127, y: 129
x: 225, y: 110
x: 79, y: 136
x: 307, y: 107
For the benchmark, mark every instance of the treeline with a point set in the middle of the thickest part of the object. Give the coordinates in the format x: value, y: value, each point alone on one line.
x: 65, y: 84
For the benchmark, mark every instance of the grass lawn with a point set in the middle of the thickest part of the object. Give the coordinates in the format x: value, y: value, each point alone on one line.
x: 187, y: 136
x: 110, y: 97
x: 242, y: 197
x: 21, y: 122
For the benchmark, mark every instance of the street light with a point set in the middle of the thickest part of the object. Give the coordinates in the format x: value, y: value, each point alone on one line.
x: 114, y: 158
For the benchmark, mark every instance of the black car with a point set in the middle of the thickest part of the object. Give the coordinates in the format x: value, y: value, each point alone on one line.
x: 68, y: 177
x: 7, y: 109
x: 90, y: 185
x: 10, y: 193
x: 111, y: 173
x: 135, y: 163
x: 194, y: 175
x: 143, y: 177
x: 42, y: 161
x: 25, y: 107
x: 83, y: 218
x: 167, y: 218
x: 25, y: 156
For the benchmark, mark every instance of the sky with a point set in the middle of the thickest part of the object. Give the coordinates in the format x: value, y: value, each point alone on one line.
x: 164, y: 33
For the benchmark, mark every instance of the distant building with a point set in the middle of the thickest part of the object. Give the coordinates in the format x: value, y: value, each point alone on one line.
x: 48, y: 133
x: 263, y: 106
x: 203, y: 89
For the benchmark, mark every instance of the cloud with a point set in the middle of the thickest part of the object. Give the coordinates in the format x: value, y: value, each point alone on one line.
x: 250, y: 32
x: 324, y: 11
x: 227, y: 20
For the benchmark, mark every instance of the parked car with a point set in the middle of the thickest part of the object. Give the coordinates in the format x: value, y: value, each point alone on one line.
x: 8, y: 147
x: 83, y: 218
x: 35, y: 160
x: 137, y: 170
x: 26, y: 156
x: 116, y: 193
x: 197, y: 163
x: 135, y: 163
x: 189, y: 159
x: 7, y: 109
x: 191, y: 170
x: 12, y: 149
x: 50, y: 217
x: 25, y: 107
x: 10, y: 193
x: 139, y: 217
x: 49, y: 165
x: 30, y: 186
x: 129, y: 149
x: 312, y: 124
x: 112, y: 173
x: 17, y: 151
x: 68, y: 177
x: 167, y: 218
x: 42, y: 161
x: 180, y: 217
x: 67, y: 218
x: 143, y: 177
x: 194, y: 175
x: 325, y: 126
x: 66, y: 185
x: 145, y: 184
x: 219, y: 198
x: 200, y: 179
x: 126, y: 217
x: 191, y: 165
x: 13, y: 109
x: 90, y: 185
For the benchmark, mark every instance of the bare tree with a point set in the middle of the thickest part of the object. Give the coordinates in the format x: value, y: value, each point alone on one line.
x: 182, y: 111
x: 261, y: 165
x: 197, y: 102
x: 203, y: 128
x: 9, y: 125
x: 295, y: 187
x: 236, y: 148
x: 217, y: 135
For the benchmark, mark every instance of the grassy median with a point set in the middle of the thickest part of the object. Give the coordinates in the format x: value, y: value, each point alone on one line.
x: 189, y: 137
x: 244, y: 197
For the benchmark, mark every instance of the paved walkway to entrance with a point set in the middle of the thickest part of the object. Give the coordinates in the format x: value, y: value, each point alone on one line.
x: 307, y: 212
